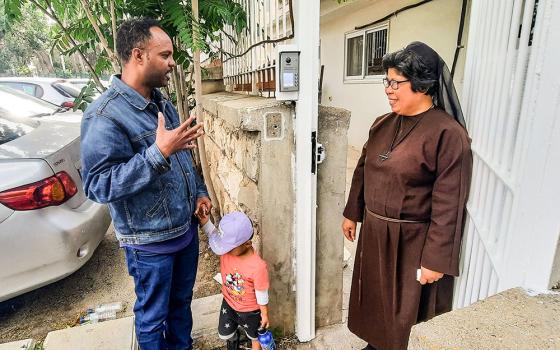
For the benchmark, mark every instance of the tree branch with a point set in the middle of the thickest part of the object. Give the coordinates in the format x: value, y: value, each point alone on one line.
x: 102, y: 39
x: 113, y: 23
x: 65, y: 31
x: 199, y: 113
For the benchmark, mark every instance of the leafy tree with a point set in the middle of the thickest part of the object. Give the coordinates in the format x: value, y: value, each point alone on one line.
x: 21, y: 42
x: 89, y: 26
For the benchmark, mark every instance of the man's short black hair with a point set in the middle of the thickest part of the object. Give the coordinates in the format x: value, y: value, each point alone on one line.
x: 133, y: 33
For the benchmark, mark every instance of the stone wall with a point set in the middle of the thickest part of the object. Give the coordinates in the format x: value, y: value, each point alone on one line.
x: 251, y: 153
x: 250, y: 145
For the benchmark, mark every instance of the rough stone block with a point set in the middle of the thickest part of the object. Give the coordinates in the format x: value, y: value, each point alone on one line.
x: 510, y: 320
x: 242, y: 147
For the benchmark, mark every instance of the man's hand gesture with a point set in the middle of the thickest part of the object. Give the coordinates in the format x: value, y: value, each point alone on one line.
x: 171, y: 141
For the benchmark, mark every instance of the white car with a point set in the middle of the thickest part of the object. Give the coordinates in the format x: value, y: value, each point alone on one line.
x: 81, y: 82
x: 54, y: 90
x: 48, y: 228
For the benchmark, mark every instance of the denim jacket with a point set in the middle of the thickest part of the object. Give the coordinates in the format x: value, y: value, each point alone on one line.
x: 151, y: 199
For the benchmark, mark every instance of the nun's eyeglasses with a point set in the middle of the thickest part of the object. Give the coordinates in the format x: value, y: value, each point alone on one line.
x: 394, y: 84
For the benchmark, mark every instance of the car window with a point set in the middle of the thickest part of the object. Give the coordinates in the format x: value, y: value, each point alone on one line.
x: 67, y: 89
x: 16, y: 104
x: 28, y: 88
x: 39, y: 92
x: 11, y: 130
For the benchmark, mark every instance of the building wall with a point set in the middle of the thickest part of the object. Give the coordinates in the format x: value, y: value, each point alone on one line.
x: 435, y: 23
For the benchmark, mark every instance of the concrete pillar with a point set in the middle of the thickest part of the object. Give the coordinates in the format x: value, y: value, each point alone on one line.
x: 331, y: 184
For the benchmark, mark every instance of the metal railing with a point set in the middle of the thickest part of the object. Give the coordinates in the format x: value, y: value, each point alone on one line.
x: 249, y: 58
x: 495, y: 78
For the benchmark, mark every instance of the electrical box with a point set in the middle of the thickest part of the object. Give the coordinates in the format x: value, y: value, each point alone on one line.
x: 287, y: 72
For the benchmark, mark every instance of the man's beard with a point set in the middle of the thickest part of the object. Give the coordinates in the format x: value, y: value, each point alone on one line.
x: 155, y: 79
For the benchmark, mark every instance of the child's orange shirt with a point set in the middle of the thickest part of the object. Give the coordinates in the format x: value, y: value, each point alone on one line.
x: 240, y: 278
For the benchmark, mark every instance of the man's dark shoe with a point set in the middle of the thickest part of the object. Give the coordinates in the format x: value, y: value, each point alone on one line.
x: 369, y: 347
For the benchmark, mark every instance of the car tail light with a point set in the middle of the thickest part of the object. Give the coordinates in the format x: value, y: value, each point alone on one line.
x: 51, y: 191
x: 68, y: 104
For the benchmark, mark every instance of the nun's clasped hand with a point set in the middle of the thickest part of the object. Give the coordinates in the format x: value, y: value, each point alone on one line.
x: 429, y: 276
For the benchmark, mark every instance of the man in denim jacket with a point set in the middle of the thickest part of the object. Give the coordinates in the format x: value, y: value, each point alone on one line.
x: 135, y: 158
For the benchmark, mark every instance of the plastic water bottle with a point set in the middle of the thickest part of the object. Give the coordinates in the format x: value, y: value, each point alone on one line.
x: 266, y: 339
x: 116, y: 306
x: 95, y: 317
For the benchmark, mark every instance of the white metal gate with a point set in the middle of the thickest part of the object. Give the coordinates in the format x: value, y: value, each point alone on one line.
x: 499, y: 48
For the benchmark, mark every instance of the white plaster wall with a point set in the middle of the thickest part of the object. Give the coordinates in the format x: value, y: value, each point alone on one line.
x: 435, y: 23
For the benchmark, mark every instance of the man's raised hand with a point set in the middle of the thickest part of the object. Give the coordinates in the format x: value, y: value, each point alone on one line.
x: 171, y: 141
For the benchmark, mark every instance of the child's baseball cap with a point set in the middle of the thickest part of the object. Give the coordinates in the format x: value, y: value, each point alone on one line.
x: 234, y: 229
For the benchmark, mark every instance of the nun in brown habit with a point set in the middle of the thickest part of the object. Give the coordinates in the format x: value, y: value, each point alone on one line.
x: 409, y: 190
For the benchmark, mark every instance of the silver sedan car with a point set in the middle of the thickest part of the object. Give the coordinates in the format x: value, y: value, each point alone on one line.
x: 48, y: 228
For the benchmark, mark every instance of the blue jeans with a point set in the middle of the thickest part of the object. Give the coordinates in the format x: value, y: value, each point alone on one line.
x: 164, y: 288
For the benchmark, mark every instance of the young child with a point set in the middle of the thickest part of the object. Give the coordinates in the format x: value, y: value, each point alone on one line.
x: 244, y: 277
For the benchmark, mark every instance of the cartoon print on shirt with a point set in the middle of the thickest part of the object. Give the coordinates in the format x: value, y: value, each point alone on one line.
x: 235, y: 284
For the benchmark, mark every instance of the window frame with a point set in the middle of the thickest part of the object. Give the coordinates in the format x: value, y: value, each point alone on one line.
x: 348, y: 36
x: 364, y: 77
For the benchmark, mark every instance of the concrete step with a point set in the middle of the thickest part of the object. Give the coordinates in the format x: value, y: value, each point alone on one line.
x: 110, y: 335
x: 27, y: 344
x: 206, y: 312
x: 511, y: 320
x: 119, y: 334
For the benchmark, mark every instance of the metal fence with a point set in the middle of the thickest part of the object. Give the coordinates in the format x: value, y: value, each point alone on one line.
x: 249, y: 58
x: 499, y: 46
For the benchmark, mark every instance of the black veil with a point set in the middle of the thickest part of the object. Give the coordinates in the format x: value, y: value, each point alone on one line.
x: 445, y: 96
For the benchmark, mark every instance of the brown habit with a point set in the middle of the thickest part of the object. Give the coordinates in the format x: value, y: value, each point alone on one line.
x: 425, y: 178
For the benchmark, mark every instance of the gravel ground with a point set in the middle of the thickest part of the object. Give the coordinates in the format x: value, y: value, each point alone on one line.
x: 104, y: 278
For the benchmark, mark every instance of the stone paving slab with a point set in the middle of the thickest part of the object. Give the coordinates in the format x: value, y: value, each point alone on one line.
x: 119, y: 334
x: 336, y: 337
x: 205, y: 313
x: 27, y: 344
x: 109, y: 335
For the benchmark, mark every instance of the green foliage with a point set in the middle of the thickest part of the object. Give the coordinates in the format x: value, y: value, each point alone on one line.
x: 175, y: 16
x: 20, y: 41
x: 78, y: 34
x: 86, y: 96
x: 177, y: 20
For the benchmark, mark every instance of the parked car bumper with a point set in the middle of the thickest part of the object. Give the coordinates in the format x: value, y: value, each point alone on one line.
x: 42, y: 246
